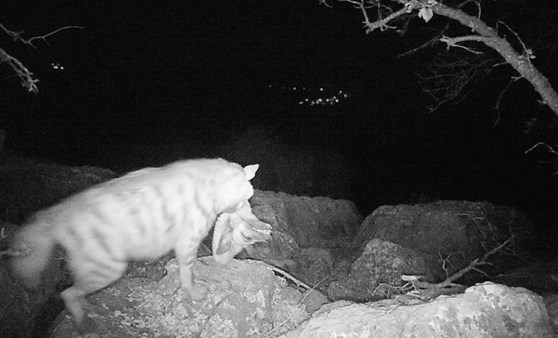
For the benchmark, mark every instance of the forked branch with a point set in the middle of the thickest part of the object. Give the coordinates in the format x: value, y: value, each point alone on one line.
x: 375, y: 17
x: 26, y: 78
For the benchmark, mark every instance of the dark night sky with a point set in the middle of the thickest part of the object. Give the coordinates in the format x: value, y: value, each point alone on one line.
x: 144, y: 84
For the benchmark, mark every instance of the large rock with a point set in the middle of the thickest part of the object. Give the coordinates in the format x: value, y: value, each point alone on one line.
x: 244, y: 299
x: 447, y: 234
x: 307, y: 233
x: 312, y: 222
x: 376, y: 271
x: 485, y: 310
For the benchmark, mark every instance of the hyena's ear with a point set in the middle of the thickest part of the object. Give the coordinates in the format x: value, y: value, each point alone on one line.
x: 250, y: 171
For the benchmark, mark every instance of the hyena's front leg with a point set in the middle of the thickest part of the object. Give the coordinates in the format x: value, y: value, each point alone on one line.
x: 186, y: 256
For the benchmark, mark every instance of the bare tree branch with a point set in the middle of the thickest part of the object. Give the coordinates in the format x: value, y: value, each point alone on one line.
x: 428, y: 43
x: 21, y: 71
x: 549, y: 148
x: 472, y: 266
x: 448, y: 77
x: 456, y: 42
x: 382, y: 24
x: 17, y: 36
x: 26, y: 77
x: 519, y: 60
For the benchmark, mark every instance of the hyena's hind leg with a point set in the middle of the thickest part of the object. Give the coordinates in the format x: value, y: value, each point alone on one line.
x: 88, y: 278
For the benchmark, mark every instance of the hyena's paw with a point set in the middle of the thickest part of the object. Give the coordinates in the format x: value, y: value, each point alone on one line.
x: 196, y: 292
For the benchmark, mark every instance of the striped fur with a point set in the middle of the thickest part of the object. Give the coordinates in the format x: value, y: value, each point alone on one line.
x: 139, y: 216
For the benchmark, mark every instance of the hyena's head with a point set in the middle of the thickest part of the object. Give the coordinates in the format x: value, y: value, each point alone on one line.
x: 235, y: 189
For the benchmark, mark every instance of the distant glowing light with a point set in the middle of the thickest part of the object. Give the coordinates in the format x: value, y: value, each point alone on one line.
x: 317, y: 96
x: 57, y: 66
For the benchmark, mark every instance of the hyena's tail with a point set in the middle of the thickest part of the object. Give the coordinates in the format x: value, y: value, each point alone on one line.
x: 32, y: 246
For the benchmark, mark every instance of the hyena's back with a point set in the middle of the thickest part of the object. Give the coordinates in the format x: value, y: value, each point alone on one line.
x: 100, y: 229
x: 141, y: 215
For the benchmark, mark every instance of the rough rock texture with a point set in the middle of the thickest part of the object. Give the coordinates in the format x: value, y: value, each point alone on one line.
x: 154, y: 270
x: 381, y: 264
x: 302, y: 222
x: 541, y: 277
x: 314, y: 264
x: 314, y: 239
x: 458, y: 231
x: 309, y: 236
x: 311, y: 221
x: 485, y: 310
x: 245, y: 299
x: 551, y: 303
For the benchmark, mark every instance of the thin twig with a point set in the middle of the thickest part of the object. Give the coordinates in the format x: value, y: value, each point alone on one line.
x: 550, y: 149
x: 298, y: 282
x: 17, y: 36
